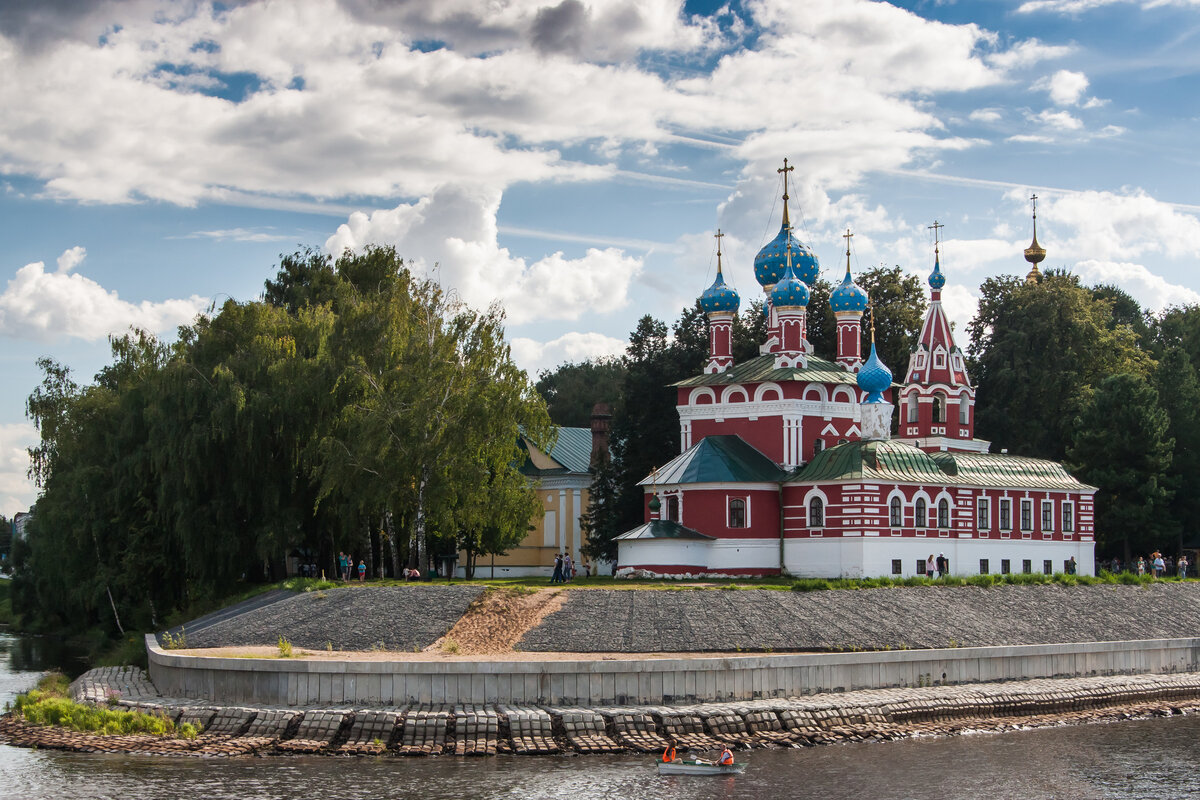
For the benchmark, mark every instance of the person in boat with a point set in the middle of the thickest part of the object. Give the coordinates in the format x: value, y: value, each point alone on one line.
x: 669, y: 754
x: 726, y: 759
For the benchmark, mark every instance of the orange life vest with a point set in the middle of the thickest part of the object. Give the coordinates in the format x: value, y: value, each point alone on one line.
x: 726, y: 758
x: 669, y: 754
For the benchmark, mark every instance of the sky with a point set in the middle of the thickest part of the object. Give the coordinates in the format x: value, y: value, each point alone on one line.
x: 572, y: 159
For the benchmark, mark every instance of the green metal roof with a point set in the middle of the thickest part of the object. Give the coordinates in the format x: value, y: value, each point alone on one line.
x: 572, y: 450
x: 762, y: 369
x: 893, y: 461
x: 718, y: 459
x: 662, y: 529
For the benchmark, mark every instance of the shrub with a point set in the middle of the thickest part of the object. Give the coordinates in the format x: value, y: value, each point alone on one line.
x: 810, y: 585
x: 285, y: 648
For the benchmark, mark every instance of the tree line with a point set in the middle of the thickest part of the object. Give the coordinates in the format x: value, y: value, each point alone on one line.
x: 353, y: 407
x: 1063, y: 371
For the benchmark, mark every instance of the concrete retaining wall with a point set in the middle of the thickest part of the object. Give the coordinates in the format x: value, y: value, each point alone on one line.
x: 637, y: 681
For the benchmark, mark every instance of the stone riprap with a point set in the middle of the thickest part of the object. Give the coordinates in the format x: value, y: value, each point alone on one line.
x: 867, y: 715
x: 706, y: 620
x: 354, y: 619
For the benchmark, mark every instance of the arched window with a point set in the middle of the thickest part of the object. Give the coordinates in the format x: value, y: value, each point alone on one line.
x: 673, y: 508
x: 737, y: 513
x: 919, y: 511
x: 912, y: 407
x: 943, y: 513
x: 896, y: 513
x: 816, y: 513
x: 939, y: 409
x: 964, y: 410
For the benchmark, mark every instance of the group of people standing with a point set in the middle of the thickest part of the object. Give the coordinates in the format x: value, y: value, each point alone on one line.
x: 346, y: 567
x: 564, y: 568
x: 1157, y: 564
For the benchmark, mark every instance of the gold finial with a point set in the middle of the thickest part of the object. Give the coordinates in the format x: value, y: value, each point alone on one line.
x: 936, y: 228
x: 718, y: 236
x: 1035, y: 253
x: 847, y: 236
x: 786, y: 169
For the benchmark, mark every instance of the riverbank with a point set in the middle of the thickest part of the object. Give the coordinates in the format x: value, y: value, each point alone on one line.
x: 860, y: 716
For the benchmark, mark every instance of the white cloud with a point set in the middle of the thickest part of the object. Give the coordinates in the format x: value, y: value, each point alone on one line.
x: 1105, y: 226
x: 985, y: 115
x: 455, y: 229
x: 1065, y: 87
x: 17, y: 492
x: 1027, y: 53
x: 534, y: 356
x: 1152, y: 291
x: 960, y: 305
x: 44, y: 305
x: 240, y: 235
x: 1059, y: 120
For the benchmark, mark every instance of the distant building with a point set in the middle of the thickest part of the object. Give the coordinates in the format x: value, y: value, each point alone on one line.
x: 788, y: 465
x: 562, y: 479
x: 19, y: 523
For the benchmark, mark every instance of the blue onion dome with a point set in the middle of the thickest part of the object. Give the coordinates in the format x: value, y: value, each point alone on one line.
x: 874, y: 378
x: 848, y: 296
x: 720, y: 297
x: 771, y: 261
x: 789, y: 291
x: 937, y: 280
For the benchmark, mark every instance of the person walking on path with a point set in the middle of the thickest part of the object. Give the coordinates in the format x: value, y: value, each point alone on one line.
x: 1181, y: 565
x: 558, y: 569
x: 1159, y: 565
x: 362, y: 571
x: 930, y: 567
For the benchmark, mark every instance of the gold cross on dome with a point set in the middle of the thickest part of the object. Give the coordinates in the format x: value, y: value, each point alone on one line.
x: 784, y: 171
x: 847, y: 236
x: 936, y: 228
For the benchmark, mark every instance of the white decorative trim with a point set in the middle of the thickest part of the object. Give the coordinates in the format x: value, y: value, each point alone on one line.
x: 771, y: 408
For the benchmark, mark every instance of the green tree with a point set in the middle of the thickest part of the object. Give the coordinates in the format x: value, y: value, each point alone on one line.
x: 898, y: 303
x: 1179, y: 395
x: 572, y: 389
x: 1036, y: 350
x: 1121, y: 446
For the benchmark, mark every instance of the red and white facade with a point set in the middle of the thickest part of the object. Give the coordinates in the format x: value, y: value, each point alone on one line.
x: 810, y: 496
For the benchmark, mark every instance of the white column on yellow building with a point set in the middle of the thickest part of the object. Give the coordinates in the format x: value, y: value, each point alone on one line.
x: 562, y: 521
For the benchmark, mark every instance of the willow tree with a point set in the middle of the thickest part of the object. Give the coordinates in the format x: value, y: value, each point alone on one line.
x: 431, y: 405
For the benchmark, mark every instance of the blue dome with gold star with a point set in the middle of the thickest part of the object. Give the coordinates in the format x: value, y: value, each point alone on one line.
x: 937, y: 280
x: 771, y: 261
x: 720, y: 297
x: 874, y: 378
x: 789, y: 291
x: 849, y: 296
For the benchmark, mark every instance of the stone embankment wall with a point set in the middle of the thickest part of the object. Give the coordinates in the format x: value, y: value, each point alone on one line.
x: 870, y: 715
x: 644, y: 681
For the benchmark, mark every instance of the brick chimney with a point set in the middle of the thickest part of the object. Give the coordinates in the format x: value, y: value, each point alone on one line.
x: 601, y: 424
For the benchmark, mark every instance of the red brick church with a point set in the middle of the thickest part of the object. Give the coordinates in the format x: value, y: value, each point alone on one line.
x: 789, y: 465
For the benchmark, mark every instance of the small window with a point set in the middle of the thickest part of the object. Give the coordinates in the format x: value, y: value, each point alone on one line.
x: 737, y: 513
x: 673, y: 509
x: 939, y: 410
x: 896, y: 511
x: 1068, y: 516
x: 816, y: 513
x: 1047, y: 515
x: 943, y: 513
x: 1006, y: 514
x: 984, y: 522
x: 964, y: 410
x: 920, y: 566
x: 896, y: 566
x: 1005, y: 566
x: 1026, y: 515
x: 1027, y: 566
x: 919, y: 511
x: 818, y: 446
x: 939, y: 360
x: 983, y: 566
x: 912, y: 407
x: 1047, y: 567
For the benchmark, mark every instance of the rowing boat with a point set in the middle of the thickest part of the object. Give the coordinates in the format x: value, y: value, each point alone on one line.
x: 699, y: 768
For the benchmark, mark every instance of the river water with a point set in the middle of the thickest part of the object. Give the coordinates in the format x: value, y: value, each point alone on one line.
x: 1144, y: 759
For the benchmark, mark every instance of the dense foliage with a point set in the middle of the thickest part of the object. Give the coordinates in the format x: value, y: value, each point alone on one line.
x: 357, y: 408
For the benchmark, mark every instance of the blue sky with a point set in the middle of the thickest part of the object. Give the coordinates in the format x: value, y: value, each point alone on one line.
x: 571, y: 159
